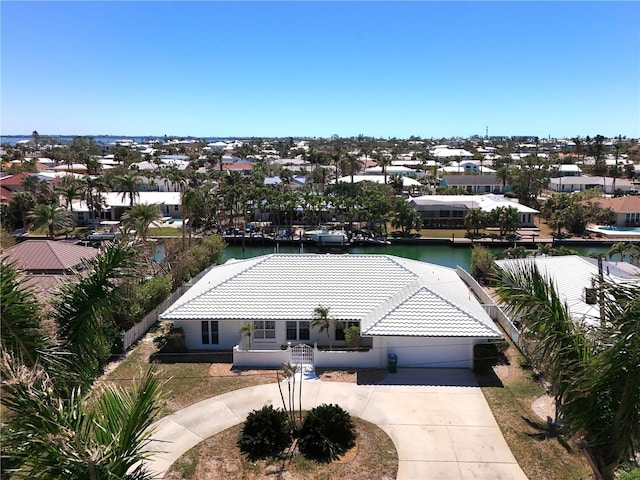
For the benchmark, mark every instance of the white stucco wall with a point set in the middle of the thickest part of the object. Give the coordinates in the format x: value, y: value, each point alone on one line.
x: 228, y: 334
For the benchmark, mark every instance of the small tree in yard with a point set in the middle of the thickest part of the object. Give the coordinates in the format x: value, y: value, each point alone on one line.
x: 352, y: 337
x: 323, y: 321
x: 482, y: 262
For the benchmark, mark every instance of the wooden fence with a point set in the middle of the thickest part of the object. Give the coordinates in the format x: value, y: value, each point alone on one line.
x: 136, y: 332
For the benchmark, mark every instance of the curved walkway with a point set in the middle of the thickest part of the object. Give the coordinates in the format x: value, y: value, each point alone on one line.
x: 438, y: 420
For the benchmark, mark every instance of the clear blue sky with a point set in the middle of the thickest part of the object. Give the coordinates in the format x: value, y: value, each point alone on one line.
x: 316, y: 69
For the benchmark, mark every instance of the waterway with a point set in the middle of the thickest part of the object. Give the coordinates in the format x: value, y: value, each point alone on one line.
x: 438, y: 254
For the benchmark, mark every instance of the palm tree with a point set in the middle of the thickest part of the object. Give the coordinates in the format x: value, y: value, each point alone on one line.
x: 69, y: 189
x: 51, y: 216
x: 19, y: 316
x: 475, y: 219
x: 23, y: 203
x: 82, y: 310
x: 128, y: 184
x: 620, y: 248
x: 140, y: 217
x: 51, y: 435
x: 91, y: 194
x: 323, y: 321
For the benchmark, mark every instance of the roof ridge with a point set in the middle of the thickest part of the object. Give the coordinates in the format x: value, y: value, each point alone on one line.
x: 383, y: 309
x: 54, y: 251
x: 440, y: 297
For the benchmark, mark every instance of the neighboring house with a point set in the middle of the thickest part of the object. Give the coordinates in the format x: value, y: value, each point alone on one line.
x: 575, y: 277
x: 450, y: 210
x: 468, y: 167
x: 393, y: 170
x: 445, y: 154
x: 585, y: 182
x: 421, y: 312
x: 47, y: 264
x: 117, y: 203
x: 569, y: 170
x: 407, y: 182
x: 626, y: 209
x: 474, y: 183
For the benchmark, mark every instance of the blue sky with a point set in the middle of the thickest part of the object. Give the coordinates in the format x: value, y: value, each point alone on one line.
x: 316, y: 69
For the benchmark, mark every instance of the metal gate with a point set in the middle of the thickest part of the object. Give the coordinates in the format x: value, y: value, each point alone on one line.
x: 302, y: 355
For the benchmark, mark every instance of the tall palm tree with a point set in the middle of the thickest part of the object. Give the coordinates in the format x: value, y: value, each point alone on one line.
x: 141, y: 217
x: 321, y: 320
x: 129, y: 185
x: 51, y: 216
x: 82, y: 310
x: 23, y: 203
x: 69, y: 189
x: 91, y: 194
x: 620, y: 248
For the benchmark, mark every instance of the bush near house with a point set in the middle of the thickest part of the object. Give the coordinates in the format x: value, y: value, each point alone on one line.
x: 327, y: 433
x: 265, y: 433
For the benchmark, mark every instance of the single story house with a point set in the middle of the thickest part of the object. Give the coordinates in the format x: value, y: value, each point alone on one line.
x: 626, y: 209
x: 450, y: 210
x: 421, y: 312
x: 585, y: 182
x: 478, y: 184
x: 574, y: 277
x: 47, y: 264
x: 117, y: 203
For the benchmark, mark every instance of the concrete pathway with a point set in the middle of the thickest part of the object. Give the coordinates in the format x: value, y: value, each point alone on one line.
x: 438, y: 420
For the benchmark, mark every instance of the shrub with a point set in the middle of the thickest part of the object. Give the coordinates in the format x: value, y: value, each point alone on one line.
x: 352, y: 337
x: 170, y: 339
x: 265, y: 433
x: 632, y: 475
x: 327, y: 432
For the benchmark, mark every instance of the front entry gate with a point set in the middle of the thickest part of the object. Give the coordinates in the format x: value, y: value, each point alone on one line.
x: 302, y: 355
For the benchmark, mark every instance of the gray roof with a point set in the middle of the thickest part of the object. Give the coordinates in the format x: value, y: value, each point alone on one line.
x: 389, y: 295
x: 571, y: 274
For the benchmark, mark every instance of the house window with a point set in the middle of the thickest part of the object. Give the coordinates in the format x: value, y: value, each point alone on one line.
x: 264, y: 330
x: 345, y: 325
x: 80, y: 216
x: 209, y: 332
x: 176, y: 208
x: 297, y: 330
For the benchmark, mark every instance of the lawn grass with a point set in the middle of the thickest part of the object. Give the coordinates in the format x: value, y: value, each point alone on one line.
x: 184, y: 383
x: 164, y: 232
x: 539, y: 450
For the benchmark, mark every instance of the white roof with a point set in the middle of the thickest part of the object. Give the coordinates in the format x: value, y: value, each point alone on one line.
x: 117, y: 199
x: 572, y: 274
x: 486, y: 202
x: 389, y: 295
x: 406, y: 181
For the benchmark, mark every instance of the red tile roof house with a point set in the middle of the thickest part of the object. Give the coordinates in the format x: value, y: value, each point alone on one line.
x: 47, y: 263
x: 626, y: 209
x: 421, y: 312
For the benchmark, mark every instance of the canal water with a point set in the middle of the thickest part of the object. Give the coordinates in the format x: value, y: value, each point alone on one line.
x: 439, y: 254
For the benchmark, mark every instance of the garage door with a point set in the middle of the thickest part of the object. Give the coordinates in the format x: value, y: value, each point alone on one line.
x: 432, y: 351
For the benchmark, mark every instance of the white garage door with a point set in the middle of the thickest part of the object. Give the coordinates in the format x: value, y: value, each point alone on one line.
x: 426, y: 352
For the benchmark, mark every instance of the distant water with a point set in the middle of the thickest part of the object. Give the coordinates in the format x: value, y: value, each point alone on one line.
x: 437, y: 254
x: 104, y: 139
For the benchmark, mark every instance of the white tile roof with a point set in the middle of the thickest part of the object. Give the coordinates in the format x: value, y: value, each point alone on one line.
x: 572, y: 274
x: 390, y: 295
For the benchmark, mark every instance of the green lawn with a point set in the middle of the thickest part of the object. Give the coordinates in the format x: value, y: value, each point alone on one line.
x: 540, y: 451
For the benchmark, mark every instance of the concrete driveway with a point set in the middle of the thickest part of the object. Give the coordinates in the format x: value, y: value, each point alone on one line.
x: 438, y: 420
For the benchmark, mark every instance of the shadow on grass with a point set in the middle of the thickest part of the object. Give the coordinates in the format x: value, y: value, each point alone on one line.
x: 488, y: 378
x: 547, y: 431
x: 193, y: 357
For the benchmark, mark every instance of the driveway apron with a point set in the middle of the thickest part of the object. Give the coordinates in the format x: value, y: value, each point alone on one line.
x: 438, y: 419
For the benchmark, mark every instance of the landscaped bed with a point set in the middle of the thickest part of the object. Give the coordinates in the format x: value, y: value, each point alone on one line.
x: 218, y: 457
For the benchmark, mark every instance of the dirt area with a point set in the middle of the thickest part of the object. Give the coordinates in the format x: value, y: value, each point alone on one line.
x: 361, y: 376
x: 218, y: 457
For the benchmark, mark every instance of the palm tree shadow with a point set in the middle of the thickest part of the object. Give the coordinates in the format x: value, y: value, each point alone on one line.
x: 547, y: 431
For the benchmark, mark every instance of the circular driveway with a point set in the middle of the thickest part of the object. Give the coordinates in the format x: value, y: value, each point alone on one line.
x: 438, y: 420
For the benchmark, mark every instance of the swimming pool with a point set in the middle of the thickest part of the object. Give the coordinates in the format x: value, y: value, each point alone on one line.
x: 615, y: 231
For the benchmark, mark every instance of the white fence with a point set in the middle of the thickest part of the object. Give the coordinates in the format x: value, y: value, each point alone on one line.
x: 492, y: 309
x: 132, y: 335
